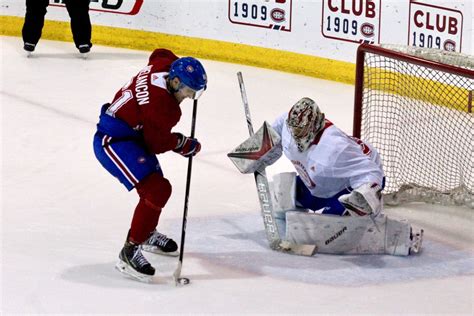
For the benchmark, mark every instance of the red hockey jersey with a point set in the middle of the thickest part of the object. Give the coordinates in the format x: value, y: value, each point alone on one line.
x: 146, y: 104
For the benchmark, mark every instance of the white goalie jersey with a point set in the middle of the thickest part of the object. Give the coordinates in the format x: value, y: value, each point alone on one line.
x: 334, y: 162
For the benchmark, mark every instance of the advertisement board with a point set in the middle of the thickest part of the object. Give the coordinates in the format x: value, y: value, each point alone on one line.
x: 330, y: 29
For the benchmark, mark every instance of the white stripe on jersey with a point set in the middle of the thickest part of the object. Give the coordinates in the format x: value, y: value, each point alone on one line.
x: 117, y: 161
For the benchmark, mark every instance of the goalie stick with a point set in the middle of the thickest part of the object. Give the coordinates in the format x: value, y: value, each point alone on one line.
x: 266, y: 205
x: 177, y: 273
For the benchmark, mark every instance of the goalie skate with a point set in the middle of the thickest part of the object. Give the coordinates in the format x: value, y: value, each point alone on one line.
x: 416, y: 241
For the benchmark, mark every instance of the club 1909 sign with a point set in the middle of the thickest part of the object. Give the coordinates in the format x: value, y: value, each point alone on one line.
x: 271, y: 14
x: 351, y: 20
x: 435, y: 27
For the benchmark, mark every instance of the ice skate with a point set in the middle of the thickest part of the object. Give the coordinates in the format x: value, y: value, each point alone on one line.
x: 416, y: 241
x: 160, y: 244
x: 132, y: 263
x: 85, y: 55
x: 29, y: 49
x: 84, y: 50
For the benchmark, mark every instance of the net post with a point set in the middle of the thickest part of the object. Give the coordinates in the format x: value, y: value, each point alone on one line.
x: 358, y: 91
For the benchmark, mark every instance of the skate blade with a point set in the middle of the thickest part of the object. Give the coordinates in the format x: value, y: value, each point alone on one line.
x: 158, y: 251
x: 125, y: 269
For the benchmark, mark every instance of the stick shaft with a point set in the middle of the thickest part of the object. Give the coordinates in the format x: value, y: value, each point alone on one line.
x: 264, y: 196
x: 177, y: 272
x: 261, y: 181
x: 243, y: 93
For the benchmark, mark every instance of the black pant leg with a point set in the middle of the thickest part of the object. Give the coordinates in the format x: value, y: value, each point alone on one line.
x: 80, y: 21
x: 34, y: 20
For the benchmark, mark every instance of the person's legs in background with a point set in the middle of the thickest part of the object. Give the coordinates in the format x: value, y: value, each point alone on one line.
x: 80, y: 24
x: 34, y: 21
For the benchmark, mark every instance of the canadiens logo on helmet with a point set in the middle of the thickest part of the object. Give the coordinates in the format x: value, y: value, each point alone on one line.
x: 190, y: 72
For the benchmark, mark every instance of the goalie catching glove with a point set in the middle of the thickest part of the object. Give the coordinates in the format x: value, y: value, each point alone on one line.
x: 187, y: 146
x: 365, y: 200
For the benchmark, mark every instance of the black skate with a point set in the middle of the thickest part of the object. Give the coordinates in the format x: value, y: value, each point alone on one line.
x: 84, y: 49
x: 29, y: 48
x: 160, y: 244
x: 133, y: 263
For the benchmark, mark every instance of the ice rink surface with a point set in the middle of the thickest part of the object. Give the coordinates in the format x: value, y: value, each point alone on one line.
x: 64, y: 219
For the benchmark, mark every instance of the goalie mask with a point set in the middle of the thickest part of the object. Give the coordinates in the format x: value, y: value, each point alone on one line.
x: 304, y: 121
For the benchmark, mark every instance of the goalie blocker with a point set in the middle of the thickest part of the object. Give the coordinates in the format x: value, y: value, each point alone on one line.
x: 252, y: 156
x: 260, y: 150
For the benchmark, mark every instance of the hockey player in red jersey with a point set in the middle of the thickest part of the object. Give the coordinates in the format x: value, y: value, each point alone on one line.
x: 132, y: 130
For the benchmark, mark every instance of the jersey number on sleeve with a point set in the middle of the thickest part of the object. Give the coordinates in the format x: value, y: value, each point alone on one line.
x: 124, y: 98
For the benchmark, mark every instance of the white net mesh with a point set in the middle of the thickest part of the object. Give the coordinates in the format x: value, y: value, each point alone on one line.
x: 420, y: 119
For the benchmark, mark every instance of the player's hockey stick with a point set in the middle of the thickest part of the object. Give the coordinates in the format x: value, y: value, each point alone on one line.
x: 266, y: 205
x: 177, y: 273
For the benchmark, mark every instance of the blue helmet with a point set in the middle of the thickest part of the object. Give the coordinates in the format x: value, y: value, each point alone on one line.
x: 190, y: 72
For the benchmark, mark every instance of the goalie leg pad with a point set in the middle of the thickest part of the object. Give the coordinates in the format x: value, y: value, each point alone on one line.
x: 349, y: 235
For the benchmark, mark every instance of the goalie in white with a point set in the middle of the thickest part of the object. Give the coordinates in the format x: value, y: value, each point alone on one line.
x: 338, y: 175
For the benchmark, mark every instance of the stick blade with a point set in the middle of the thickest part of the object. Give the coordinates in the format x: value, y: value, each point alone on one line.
x: 298, y: 249
x: 177, y: 273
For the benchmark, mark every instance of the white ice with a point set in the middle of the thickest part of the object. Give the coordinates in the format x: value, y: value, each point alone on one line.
x: 64, y: 219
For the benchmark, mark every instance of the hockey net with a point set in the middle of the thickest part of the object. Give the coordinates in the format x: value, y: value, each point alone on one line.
x: 415, y: 106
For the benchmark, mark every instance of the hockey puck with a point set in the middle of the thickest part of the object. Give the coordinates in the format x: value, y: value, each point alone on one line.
x: 183, y: 281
